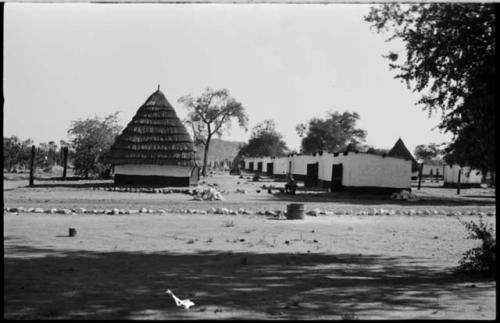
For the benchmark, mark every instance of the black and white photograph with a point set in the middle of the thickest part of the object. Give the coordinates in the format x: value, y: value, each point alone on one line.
x: 266, y: 160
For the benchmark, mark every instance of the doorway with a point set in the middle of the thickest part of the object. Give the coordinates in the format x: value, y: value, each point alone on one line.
x: 336, y: 184
x: 312, y: 175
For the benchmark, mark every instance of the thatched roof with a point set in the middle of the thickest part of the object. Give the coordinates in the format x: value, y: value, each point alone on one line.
x: 154, y: 136
x: 400, y: 150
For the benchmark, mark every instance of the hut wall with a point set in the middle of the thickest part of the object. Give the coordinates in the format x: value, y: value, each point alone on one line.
x: 299, y: 165
x: 167, y: 175
x: 469, y: 177
x: 432, y: 170
x: 264, y: 161
x: 280, y: 166
x: 366, y: 172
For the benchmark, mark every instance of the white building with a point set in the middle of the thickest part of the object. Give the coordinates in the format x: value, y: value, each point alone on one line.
x: 299, y: 166
x: 468, y: 177
x: 364, y: 172
x: 351, y: 171
x: 281, y: 166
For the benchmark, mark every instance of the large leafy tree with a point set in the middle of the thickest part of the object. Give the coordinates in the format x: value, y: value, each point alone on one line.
x: 91, y: 140
x: 334, y: 133
x: 449, y: 58
x: 427, y: 152
x: 264, y: 141
x: 16, y: 152
x: 212, y: 114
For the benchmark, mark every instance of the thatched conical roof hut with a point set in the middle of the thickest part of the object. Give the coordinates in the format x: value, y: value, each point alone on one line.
x: 400, y: 150
x: 154, y: 148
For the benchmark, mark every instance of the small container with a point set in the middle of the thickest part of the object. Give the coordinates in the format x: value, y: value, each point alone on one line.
x: 295, y: 211
x: 72, y: 232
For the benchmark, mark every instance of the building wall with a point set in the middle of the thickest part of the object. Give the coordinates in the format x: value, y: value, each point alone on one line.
x: 367, y: 170
x: 376, y: 171
x: 154, y: 170
x: 264, y: 161
x: 155, y: 175
x: 426, y: 170
x: 299, y: 164
x: 280, y: 165
x: 359, y: 169
x: 469, y: 176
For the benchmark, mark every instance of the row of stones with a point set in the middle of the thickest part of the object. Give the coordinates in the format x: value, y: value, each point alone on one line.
x: 146, y: 190
x: 222, y: 210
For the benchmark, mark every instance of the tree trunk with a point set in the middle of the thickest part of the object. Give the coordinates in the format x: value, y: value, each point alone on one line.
x: 65, y: 161
x: 205, y: 155
x: 32, y: 166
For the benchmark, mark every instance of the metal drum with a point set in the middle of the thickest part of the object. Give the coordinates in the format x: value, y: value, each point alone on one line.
x: 295, y: 211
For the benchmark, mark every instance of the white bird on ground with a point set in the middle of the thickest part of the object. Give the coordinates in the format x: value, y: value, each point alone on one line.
x: 185, y: 303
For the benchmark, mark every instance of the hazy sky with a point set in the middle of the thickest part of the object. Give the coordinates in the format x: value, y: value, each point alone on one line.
x: 289, y: 63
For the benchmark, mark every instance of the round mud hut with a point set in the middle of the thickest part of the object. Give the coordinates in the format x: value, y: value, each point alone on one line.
x: 155, y: 148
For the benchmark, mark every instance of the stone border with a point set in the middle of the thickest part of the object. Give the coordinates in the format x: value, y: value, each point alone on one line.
x: 226, y: 211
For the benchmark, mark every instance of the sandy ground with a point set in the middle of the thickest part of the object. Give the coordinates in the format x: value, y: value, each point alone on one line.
x: 245, y: 266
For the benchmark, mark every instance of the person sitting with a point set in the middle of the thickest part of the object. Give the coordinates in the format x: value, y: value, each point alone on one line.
x: 291, y: 185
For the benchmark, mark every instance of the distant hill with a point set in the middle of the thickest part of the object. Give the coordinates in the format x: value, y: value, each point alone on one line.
x: 220, y: 150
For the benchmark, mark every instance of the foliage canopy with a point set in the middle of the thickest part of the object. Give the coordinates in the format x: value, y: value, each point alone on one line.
x: 334, y: 133
x: 450, y: 59
x: 264, y: 141
x: 211, y: 114
x: 91, y: 140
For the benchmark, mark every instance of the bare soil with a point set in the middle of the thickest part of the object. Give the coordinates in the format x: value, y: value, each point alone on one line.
x: 238, y: 267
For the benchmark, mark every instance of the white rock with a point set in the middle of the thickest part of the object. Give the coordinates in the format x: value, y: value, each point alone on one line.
x: 314, y: 212
x: 143, y: 210
x: 38, y: 210
x: 202, y: 212
x: 30, y: 209
x: 133, y: 211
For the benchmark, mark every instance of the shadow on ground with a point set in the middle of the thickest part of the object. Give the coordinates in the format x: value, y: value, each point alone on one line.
x: 47, y: 283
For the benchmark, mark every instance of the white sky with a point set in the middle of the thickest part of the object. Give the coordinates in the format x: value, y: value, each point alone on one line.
x: 285, y: 62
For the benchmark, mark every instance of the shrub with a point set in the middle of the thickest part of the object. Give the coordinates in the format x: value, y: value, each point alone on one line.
x: 482, y: 259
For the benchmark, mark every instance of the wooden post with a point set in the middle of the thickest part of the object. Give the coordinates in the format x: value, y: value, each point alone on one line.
x: 32, y: 166
x: 458, y: 184
x: 420, y: 175
x: 65, y: 161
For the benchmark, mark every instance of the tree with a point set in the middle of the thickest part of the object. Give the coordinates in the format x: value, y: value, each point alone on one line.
x: 427, y: 152
x: 16, y: 152
x: 375, y: 151
x: 264, y: 141
x: 450, y: 61
x: 91, y: 139
x: 212, y: 114
x: 334, y: 133
x: 11, y: 152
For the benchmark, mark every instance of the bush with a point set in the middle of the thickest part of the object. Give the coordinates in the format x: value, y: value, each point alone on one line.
x: 482, y: 259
